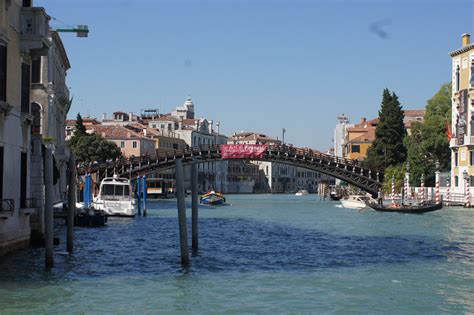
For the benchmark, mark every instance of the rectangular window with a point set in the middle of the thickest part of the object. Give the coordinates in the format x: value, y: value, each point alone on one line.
x: 471, y: 157
x: 23, y: 178
x: 3, y: 73
x: 134, y: 144
x: 36, y: 70
x: 355, y: 148
x: 26, y: 3
x: 456, y: 181
x: 456, y: 158
x: 122, y: 144
x: 25, y: 88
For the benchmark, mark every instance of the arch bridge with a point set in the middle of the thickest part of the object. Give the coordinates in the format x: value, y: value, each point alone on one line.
x: 351, y: 171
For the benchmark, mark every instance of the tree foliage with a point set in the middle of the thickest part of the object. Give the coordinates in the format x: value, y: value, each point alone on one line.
x: 428, y: 142
x: 80, y: 128
x: 388, y: 148
x: 398, y: 174
x: 92, y: 147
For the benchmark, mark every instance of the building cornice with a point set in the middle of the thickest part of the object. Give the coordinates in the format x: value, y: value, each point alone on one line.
x: 461, y: 50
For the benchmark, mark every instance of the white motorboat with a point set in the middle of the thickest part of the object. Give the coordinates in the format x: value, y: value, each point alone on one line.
x: 302, y: 193
x: 355, y: 202
x: 115, y: 197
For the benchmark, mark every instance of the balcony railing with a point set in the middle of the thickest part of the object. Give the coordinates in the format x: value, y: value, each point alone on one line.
x: 7, y: 205
x: 34, y: 31
x: 28, y: 203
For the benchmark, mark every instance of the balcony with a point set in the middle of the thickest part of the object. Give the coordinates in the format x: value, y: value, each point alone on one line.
x: 28, y: 206
x: 7, y: 206
x: 34, y: 31
x: 61, y: 92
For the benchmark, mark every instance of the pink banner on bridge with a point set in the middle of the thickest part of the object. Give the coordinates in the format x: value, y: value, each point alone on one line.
x: 243, y: 151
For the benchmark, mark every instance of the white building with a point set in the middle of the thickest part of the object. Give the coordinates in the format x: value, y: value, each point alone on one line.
x: 340, y: 134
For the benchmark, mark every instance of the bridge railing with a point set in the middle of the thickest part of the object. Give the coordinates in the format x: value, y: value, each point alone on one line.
x: 124, y: 164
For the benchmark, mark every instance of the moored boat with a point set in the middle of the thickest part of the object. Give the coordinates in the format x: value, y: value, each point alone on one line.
x: 115, y: 197
x: 418, y: 209
x: 212, y: 198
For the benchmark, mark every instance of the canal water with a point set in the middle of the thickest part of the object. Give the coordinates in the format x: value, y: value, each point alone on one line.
x: 263, y: 254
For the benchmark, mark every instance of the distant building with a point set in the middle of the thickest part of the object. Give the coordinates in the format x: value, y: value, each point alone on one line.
x: 340, y: 135
x: 359, y: 138
x: 131, y: 143
x: 462, y: 142
x: 71, y: 125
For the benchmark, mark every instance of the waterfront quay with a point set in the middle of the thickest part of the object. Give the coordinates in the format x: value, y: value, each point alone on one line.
x: 264, y: 254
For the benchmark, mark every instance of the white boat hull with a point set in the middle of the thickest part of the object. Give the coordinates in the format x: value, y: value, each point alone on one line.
x: 351, y: 204
x: 116, y: 208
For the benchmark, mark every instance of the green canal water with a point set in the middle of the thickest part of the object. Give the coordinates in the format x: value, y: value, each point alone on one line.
x: 263, y: 254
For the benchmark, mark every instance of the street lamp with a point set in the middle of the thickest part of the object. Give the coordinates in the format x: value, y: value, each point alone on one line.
x: 437, y: 165
x: 465, y: 175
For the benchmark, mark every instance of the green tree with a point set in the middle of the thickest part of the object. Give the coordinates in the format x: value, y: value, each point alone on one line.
x: 80, y: 128
x: 388, y: 148
x: 428, y: 142
x: 398, y: 174
x: 90, y: 148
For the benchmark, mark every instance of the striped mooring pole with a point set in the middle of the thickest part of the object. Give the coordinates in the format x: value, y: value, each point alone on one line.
x: 422, y: 188
x: 468, y: 194
x: 437, y: 188
x: 405, y: 188
x: 447, y: 192
x: 393, y: 190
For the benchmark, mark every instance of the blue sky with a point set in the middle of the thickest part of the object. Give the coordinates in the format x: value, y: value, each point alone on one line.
x: 260, y: 65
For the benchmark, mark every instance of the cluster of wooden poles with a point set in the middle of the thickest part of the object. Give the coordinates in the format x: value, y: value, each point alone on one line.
x: 180, y: 195
x: 48, y: 207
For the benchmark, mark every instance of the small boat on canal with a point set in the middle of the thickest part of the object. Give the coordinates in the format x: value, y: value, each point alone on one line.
x: 115, y: 197
x: 303, y: 192
x: 212, y: 198
x: 355, y: 202
x: 416, y: 209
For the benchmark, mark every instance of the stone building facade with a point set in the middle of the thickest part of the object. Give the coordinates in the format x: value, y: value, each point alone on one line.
x: 24, y: 36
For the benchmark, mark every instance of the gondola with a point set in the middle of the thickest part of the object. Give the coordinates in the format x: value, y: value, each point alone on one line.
x: 426, y: 207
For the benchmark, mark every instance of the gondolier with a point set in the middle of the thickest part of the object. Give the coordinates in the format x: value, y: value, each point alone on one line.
x: 380, y: 197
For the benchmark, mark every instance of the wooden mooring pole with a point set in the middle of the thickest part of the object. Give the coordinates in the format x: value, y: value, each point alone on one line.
x: 48, y: 208
x: 194, y: 214
x: 71, y: 210
x: 183, y: 230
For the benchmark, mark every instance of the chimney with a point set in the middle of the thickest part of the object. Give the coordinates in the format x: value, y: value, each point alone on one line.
x: 130, y: 116
x: 217, y: 127
x: 211, y: 123
x: 466, y: 39
x: 363, y: 120
x: 197, y: 124
x: 103, y: 116
x: 145, y: 132
x: 180, y: 123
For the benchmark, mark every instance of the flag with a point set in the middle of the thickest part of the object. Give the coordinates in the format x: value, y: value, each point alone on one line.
x: 448, y: 130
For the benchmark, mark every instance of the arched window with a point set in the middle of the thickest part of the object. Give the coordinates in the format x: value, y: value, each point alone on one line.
x: 36, y: 112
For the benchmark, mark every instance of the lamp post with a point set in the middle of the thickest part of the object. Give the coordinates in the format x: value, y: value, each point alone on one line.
x: 467, y: 194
